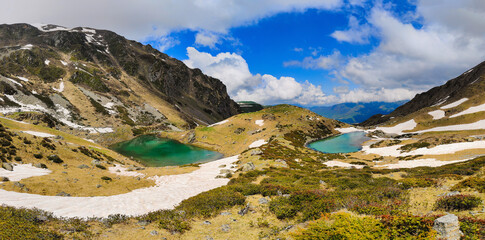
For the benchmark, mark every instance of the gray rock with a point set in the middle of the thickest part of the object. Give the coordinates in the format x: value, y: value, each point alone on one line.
x: 154, y: 233
x: 452, y: 193
x: 40, y: 165
x: 59, y: 137
x: 225, y: 228
x: 207, y: 223
x: 191, y: 137
x: 143, y: 223
x: 256, y: 152
x: 41, y: 218
x: 63, y: 194
x: 226, y: 213
x: 4, y: 179
x: 225, y: 171
x: 208, y: 238
x: 7, y: 166
x: 248, y: 167
x: 322, y: 182
x: 263, y: 201
x: 98, y: 186
x: 18, y: 184
x: 244, y: 210
x: 95, y: 162
x: 82, y: 166
x: 448, y: 227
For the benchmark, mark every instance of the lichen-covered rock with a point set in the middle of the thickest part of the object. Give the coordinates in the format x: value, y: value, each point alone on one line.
x: 248, y: 167
x: 7, y: 166
x: 448, y: 227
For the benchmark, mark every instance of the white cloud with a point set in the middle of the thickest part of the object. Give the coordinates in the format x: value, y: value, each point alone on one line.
x: 139, y: 19
x: 208, y: 39
x: 356, y: 33
x: 324, y: 62
x: 382, y: 94
x: 233, y: 71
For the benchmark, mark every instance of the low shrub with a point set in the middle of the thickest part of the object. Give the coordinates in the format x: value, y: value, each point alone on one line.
x: 458, y: 202
x: 212, y: 202
x: 55, y: 159
x: 472, y: 228
x: 473, y: 183
x: 171, y: 220
x: 24, y: 224
x: 100, y: 166
x: 106, y: 178
x: 408, y: 227
x: 408, y: 183
x: 38, y: 155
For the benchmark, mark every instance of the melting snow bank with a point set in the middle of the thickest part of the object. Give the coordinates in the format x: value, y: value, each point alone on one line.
x: 39, y: 134
x: 23, y: 171
x: 348, y: 130
x: 342, y: 164
x: 461, y: 127
x: 122, y: 171
x: 169, y: 191
x: 218, y: 123
x: 398, y: 129
x: 257, y: 143
x: 61, y: 87
x: 455, y: 104
x: 429, y: 162
x: 438, y: 114
x: 479, y: 108
x: 259, y: 122
x: 451, y: 148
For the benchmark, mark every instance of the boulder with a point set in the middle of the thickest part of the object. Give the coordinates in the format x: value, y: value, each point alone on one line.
x: 7, y: 166
x: 63, y: 194
x: 225, y: 171
x: 83, y: 166
x: 154, y: 233
x: 256, y: 152
x: 4, y: 179
x: 95, y: 162
x: 248, y: 167
x: 448, y: 227
x: 244, y: 210
x: 40, y: 165
x: 263, y: 201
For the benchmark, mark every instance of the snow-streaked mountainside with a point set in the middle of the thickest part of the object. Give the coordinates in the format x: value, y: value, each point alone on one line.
x: 95, y: 81
x: 453, y: 97
x: 353, y: 113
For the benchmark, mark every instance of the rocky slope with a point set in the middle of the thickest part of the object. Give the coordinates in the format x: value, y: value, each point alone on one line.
x: 468, y: 85
x: 95, y: 81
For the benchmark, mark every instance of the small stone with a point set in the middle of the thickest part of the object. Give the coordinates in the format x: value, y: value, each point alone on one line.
x: 82, y: 166
x: 244, y: 210
x: 256, y: 152
x: 452, y: 193
x: 225, y: 228
x: 207, y: 223
x: 41, y: 218
x: 225, y: 171
x: 222, y: 166
x: 208, y: 238
x: 7, y: 166
x: 63, y: 194
x: 154, y: 233
x: 98, y: 186
x: 448, y: 227
x: 226, y: 213
x: 263, y: 200
x: 322, y: 182
x: 95, y: 162
x: 117, y: 170
x: 18, y: 184
x: 40, y: 165
x: 143, y: 223
x: 248, y: 167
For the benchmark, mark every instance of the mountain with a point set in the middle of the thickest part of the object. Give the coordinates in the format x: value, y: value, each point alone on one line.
x: 458, y: 101
x: 353, y: 113
x: 249, y: 106
x: 97, y: 81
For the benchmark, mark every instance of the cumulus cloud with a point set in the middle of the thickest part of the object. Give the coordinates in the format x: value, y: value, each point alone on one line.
x: 208, y: 39
x: 408, y: 59
x: 139, y: 19
x: 357, y: 33
x: 232, y: 69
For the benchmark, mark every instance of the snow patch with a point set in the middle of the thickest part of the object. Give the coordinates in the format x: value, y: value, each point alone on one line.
x: 23, y: 79
x: 398, y: 129
x: 475, y: 109
x: 438, y: 114
x: 342, y: 164
x: 23, y: 171
x: 122, y: 171
x: 259, y: 122
x: 61, y: 87
x: 64, y: 63
x: 218, y: 123
x: 429, y: 162
x: 169, y: 191
x: 451, y: 148
x: 460, y: 127
x: 39, y: 134
x: 27, y: 47
x: 348, y: 130
x: 257, y: 143
x: 454, y: 104
x: 47, y: 61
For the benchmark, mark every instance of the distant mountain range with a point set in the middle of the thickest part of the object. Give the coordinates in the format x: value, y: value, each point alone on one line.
x: 353, y: 113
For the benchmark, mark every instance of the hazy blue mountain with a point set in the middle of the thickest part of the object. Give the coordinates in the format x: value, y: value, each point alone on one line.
x: 356, y: 112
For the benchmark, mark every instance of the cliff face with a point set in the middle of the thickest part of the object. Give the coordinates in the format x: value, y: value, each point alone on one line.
x: 110, y: 65
x: 469, y: 84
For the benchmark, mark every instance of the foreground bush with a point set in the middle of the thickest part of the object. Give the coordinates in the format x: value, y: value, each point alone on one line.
x: 343, y: 226
x: 171, y: 220
x: 458, y: 202
x: 23, y: 224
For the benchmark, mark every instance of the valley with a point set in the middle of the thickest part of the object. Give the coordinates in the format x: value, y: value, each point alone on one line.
x: 106, y: 138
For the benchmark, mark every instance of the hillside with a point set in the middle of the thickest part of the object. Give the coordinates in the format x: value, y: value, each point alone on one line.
x: 469, y: 85
x: 93, y: 81
x: 353, y: 113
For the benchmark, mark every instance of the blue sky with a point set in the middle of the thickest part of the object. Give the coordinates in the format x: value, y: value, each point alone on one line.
x: 306, y: 52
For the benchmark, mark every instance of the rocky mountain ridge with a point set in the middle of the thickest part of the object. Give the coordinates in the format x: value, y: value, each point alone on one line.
x: 89, y: 79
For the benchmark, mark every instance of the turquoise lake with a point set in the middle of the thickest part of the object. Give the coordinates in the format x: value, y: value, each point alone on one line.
x: 345, y: 143
x: 159, y: 152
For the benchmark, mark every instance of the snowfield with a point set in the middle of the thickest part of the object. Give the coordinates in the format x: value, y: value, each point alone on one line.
x: 22, y: 171
x: 455, y: 104
x: 257, y: 143
x: 479, y: 108
x: 398, y: 129
x: 169, y: 191
x: 438, y: 114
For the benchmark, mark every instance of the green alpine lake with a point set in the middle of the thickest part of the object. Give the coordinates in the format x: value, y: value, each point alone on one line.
x: 345, y: 143
x: 159, y: 152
